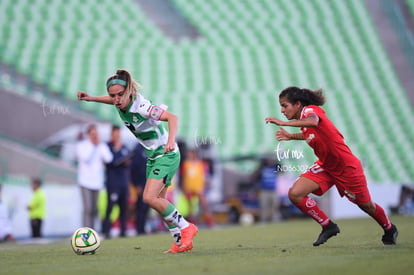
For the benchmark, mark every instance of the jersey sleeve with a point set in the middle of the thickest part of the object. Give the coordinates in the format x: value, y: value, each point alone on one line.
x: 148, y: 110
x: 308, y: 111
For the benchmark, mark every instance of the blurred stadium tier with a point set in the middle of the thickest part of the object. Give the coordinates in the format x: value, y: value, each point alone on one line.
x: 24, y: 161
x: 223, y: 81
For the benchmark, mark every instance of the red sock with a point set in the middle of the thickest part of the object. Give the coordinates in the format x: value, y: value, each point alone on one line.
x: 309, y: 207
x: 381, y: 218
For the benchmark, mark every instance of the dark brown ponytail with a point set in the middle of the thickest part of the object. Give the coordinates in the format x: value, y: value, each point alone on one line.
x: 305, y: 96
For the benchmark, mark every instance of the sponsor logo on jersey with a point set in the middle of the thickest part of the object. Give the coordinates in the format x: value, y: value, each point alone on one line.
x: 309, y: 138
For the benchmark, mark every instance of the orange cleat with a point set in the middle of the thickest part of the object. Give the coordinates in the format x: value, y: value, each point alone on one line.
x: 187, y: 235
x: 176, y: 249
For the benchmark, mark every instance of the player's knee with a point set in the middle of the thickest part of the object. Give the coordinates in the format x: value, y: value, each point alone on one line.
x: 148, y: 199
x: 295, y: 196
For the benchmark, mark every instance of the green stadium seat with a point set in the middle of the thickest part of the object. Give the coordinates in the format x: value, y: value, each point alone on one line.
x: 410, y: 4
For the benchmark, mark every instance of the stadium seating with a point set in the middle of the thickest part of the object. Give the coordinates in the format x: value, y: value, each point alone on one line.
x: 223, y: 84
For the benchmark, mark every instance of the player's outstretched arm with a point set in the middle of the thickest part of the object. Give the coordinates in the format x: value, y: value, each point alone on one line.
x: 101, y: 99
x: 282, y: 134
x: 310, y: 121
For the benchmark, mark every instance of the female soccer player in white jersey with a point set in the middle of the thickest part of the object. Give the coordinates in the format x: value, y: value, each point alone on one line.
x: 143, y: 119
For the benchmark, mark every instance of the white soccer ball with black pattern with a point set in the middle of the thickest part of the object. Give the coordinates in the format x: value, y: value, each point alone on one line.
x: 85, y: 240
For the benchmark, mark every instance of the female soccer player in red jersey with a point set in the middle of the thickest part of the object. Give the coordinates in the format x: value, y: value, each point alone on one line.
x: 336, y: 165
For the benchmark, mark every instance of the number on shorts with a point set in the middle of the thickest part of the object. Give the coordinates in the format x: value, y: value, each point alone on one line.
x: 316, y: 169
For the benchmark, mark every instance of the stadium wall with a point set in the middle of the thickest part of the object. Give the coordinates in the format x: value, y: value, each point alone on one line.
x: 384, y: 194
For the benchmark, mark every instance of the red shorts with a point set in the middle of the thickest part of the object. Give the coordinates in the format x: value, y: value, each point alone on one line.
x: 352, y: 183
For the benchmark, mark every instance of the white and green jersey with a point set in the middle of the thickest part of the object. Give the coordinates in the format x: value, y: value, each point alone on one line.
x: 142, y: 119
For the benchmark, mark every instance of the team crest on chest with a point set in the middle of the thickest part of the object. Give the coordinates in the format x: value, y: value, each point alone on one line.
x: 309, y: 138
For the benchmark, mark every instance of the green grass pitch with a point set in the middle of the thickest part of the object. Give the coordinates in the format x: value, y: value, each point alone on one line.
x: 281, y: 248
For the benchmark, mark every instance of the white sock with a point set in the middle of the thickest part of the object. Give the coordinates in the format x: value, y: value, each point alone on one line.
x: 175, y: 233
x: 172, y: 215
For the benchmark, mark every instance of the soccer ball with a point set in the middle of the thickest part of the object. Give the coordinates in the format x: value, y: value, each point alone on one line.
x: 85, y: 240
x: 246, y: 219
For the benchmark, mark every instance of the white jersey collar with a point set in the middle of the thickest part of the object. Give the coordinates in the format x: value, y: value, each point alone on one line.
x: 135, y: 105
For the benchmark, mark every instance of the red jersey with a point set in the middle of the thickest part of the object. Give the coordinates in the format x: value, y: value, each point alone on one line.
x: 327, y: 143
